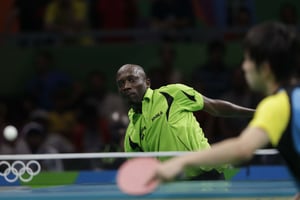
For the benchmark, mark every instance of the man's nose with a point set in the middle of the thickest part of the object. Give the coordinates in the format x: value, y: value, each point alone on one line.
x: 127, y: 85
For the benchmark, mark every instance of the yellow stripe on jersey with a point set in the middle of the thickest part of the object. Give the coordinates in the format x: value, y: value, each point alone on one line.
x: 273, y: 115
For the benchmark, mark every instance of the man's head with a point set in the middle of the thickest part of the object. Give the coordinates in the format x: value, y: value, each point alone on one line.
x: 270, y: 52
x: 132, y: 83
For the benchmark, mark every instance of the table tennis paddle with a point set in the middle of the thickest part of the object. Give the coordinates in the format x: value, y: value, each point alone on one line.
x: 133, y: 176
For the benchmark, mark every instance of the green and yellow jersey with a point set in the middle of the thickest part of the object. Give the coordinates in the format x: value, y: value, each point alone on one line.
x: 167, y: 122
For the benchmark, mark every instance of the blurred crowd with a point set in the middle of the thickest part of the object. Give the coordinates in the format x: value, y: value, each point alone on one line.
x: 83, y: 21
x: 56, y: 114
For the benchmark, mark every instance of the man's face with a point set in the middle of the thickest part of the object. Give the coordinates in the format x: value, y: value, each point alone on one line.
x: 132, y: 84
x: 253, y: 75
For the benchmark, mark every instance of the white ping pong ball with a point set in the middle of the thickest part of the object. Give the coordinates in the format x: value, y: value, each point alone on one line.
x: 10, y: 133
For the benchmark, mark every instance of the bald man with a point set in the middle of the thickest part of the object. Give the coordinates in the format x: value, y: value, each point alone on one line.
x: 163, y: 119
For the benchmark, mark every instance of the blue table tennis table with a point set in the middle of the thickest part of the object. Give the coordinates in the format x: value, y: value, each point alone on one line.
x: 182, y: 190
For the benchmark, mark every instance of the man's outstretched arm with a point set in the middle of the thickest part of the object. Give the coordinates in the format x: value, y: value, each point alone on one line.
x: 221, y: 108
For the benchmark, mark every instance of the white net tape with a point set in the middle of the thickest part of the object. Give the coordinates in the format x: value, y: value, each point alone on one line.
x: 111, y: 155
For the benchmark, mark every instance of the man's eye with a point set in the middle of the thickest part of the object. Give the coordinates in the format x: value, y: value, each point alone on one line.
x: 131, y: 80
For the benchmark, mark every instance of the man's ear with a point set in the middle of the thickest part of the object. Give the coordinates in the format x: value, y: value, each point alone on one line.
x: 265, y: 70
x: 148, y: 82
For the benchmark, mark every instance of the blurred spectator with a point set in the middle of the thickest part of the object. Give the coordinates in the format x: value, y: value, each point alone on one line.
x: 239, y: 13
x: 204, y: 12
x: 29, y: 14
x: 68, y: 17
x: 243, y: 18
x: 113, y: 15
x: 77, y: 95
x: 288, y: 14
x: 36, y: 137
x: 45, y: 80
x: 90, y: 93
x: 239, y: 22
x: 96, y: 89
x: 113, y: 108
x: 118, y: 129
x: 32, y: 139
x: 91, y: 133
x: 54, y: 139
x: 171, y: 16
x: 96, y: 94
x: 62, y: 117
x: 165, y: 73
x: 212, y: 78
x: 26, y: 17
x: 97, y: 109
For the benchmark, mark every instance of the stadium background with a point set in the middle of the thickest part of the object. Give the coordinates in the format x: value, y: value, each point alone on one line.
x: 114, y: 47
x: 16, y: 62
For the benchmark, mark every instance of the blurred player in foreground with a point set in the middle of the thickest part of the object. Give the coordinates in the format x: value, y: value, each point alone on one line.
x: 270, y: 53
x: 163, y: 120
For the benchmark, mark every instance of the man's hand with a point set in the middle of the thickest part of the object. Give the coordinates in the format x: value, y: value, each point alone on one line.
x: 168, y: 170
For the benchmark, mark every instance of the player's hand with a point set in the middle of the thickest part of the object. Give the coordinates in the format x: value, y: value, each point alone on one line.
x: 297, y: 196
x: 168, y: 170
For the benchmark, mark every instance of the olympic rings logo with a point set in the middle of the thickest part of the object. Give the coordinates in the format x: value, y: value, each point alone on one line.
x: 19, y: 170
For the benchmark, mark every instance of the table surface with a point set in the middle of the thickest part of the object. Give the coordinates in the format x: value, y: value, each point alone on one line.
x: 217, y: 190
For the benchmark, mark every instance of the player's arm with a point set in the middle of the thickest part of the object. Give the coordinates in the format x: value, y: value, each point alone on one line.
x: 221, y: 108
x: 233, y: 151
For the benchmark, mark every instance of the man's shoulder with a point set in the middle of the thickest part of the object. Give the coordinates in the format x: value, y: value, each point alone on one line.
x: 177, y: 90
x: 174, y: 87
x: 273, y: 103
x: 277, y: 98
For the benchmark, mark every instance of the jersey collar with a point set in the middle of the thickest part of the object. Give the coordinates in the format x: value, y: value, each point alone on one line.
x: 148, y: 95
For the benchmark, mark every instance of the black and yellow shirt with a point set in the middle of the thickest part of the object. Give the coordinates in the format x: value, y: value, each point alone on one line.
x: 279, y: 116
